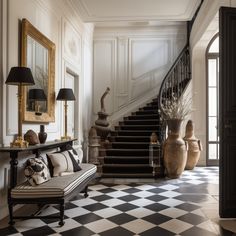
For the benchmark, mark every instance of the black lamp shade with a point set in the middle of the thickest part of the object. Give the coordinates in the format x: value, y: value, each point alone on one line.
x: 20, y: 75
x: 66, y: 94
x: 37, y: 94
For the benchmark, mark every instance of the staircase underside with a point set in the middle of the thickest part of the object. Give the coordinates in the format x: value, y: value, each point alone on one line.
x: 127, y: 154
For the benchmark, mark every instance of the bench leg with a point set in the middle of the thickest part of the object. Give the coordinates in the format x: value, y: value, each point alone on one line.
x: 62, y: 210
x: 10, y: 207
x: 86, y: 191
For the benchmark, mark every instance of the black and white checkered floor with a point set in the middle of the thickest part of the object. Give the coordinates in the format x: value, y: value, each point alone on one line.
x: 152, y: 207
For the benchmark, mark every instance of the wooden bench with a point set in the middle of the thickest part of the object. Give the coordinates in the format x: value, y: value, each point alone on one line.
x: 55, y: 191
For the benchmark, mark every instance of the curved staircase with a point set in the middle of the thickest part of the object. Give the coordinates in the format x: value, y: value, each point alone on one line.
x: 127, y: 153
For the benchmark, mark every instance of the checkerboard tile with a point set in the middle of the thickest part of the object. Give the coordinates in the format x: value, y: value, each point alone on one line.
x: 162, y: 207
x: 176, y: 226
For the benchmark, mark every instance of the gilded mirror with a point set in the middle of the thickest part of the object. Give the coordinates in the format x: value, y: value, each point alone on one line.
x: 38, y: 53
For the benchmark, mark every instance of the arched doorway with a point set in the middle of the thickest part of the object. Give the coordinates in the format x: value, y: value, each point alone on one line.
x: 212, y: 57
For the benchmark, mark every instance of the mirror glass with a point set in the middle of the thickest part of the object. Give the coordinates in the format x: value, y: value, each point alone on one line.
x: 37, y: 61
x: 38, y: 53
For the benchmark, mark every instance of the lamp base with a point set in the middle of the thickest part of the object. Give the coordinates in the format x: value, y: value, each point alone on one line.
x: 20, y: 143
x: 65, y: 138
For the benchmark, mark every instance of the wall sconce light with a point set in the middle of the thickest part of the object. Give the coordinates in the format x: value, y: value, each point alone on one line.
x: 65, y: 94
x: 37, y: 95
x: 20, y: 76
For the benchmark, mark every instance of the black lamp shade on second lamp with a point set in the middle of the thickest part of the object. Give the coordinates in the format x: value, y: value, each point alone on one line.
x: 66, y: 94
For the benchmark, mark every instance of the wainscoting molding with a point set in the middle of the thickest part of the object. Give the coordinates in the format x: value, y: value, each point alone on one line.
x: 132, y: 65
x: 104, y: 73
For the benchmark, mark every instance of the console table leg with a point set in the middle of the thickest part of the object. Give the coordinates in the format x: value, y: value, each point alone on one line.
x: 13, y: 170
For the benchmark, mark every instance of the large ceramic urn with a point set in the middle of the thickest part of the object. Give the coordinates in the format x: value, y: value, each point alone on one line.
x: 175, y: 150
x: 194, y: 146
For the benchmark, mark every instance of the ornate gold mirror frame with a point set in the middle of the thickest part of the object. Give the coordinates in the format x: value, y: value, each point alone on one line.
x: 38, y: 53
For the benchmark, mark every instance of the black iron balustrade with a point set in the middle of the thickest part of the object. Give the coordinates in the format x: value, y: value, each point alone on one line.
x: 176, y: 79
x: 174, y: 83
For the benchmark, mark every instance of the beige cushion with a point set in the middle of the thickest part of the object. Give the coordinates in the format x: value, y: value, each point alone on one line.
x: 56, y: 187
x: 63, y: 162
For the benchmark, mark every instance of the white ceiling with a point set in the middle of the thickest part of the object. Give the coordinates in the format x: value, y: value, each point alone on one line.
x: 139, y: 11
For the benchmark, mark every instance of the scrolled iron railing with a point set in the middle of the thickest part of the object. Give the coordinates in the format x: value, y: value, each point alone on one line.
x: 176, y: 79
x: 174, y: 84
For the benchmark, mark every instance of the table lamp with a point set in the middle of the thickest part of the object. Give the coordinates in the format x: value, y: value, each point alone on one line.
x: 20, y: 76
x: 37, y: 95
x: 65, y: 94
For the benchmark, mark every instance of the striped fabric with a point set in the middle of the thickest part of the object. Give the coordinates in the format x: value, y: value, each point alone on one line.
x: 62, y: 163
x: 56, y: 187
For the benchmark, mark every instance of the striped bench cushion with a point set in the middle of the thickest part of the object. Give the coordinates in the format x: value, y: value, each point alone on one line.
x: 56, y: 187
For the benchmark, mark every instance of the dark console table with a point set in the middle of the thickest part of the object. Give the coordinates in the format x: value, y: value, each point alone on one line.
x: 35, y: 149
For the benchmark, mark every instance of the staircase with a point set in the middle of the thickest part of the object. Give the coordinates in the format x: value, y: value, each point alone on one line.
x: 127, y: 154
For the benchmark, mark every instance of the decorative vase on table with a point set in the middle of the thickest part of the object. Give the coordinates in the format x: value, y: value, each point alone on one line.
x: 42, y: 134
x: 194, y: 146
x: 175, y: 150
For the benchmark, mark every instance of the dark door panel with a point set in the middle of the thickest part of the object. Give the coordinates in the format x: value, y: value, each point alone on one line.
x: 227, y: 111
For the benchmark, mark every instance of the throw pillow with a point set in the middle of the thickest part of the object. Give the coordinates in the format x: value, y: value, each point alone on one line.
x: 62, y: 162
x: 36, y: 171
x: 78, y: 157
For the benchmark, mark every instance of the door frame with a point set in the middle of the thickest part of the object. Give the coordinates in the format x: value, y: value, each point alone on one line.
x: 209, y: 56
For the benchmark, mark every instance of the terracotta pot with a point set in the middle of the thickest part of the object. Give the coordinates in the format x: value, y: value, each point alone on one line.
x: 175, y: 150
x: 194, y: 146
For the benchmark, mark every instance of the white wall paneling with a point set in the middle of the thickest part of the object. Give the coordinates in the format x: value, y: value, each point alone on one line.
x: 70, y: 82
x: 104, y: 73
x: 1, y: 68
x: 72, y: 56
x: 132, y: 62
x: 147, y: 57
x: 121, y: 85
x: 71, y: 44
x: 49, y: 24
x: 85, y: 89
x: 4, y: 163
x: 205, y: 27
x: 61, y: 24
